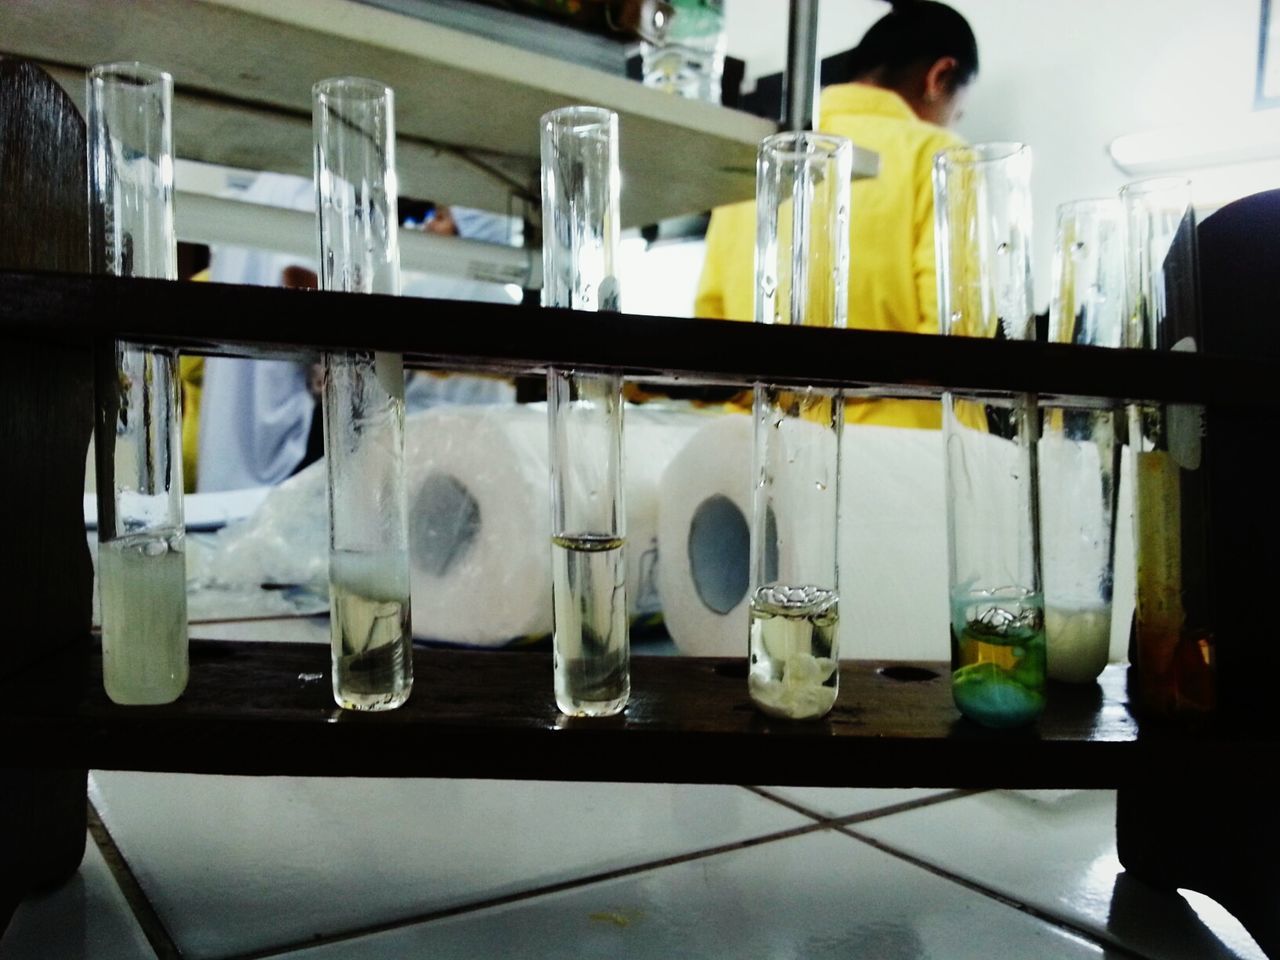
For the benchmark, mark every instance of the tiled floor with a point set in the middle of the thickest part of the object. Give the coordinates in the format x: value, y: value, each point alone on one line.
x: 321, y: 869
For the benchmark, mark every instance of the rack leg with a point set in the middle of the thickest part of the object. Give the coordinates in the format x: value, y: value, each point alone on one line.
x: 46, y: 409
x: 1223, y: 843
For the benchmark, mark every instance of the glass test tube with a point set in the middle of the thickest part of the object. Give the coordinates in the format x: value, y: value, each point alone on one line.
x: 982, y: 208
x: 580, y: 187
x: 1172, y: 641
x: 1079, y: 448
x: 141, y: 548
x: 357, y: 223
x: 802, y: 276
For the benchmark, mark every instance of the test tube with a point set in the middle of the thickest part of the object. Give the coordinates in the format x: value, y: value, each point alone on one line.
x: 580, y: 187
x: 1079, y: 448
x: 982, y: 210
x: 1172, y: 641
x: 802, y: 277
x: 357, y: 224
x: 142, y: 576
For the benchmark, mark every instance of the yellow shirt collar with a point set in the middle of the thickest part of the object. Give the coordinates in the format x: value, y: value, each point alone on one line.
x: 863, y: 98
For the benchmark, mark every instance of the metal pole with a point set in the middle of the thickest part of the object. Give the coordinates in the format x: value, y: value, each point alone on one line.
x: 800, y: 82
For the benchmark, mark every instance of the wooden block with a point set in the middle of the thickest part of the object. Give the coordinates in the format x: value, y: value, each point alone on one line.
x: 46, y: 402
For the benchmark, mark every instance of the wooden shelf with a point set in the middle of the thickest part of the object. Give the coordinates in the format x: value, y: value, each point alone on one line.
x: 266, y: 709
x: 467, y: 108
x: 263, y: 322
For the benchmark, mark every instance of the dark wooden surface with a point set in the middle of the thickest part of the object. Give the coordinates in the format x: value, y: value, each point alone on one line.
x: 1221, y: 837
x: 266, y: 708
x: 46, y: 389
x: 214, y: 318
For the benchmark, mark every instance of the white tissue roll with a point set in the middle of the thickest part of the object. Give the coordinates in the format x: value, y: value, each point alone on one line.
x: 479, y: 524
x: 479, y: 518
x: 703, y: 538
x: 892, y: 547
x: 802, y: 501
x: 652, y: 437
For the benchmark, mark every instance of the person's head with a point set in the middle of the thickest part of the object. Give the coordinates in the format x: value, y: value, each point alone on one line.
x: 925, y: 52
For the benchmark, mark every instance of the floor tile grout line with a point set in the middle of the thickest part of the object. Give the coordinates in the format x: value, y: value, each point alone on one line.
x: 906, y: 805
x: 528, y: 894
x: 791, y: 805
x: 153, y: 928
x: 851, y: 818
x: 1085, y: 933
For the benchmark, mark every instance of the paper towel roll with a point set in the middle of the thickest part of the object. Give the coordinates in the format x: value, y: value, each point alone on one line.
x: 479, y: 524
x: 892, y: 551
x: 652, y: 438
x: 703, y: 539
x: 479, y: 518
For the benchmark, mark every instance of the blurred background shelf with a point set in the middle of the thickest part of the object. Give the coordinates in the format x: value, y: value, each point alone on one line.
x: 466, y: 106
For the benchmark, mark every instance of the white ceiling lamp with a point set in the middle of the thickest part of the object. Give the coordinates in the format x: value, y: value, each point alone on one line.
x: 1251, y: 137
x: 1224, y: 159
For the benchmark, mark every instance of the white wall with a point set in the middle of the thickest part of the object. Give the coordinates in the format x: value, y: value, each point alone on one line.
x: 1068, y: 77
x: 660, y: 281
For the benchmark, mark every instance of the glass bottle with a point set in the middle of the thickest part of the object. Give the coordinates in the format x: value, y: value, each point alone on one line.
x: 688, y: 60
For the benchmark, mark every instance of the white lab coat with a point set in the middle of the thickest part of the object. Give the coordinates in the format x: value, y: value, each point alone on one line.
x: 255, y: 415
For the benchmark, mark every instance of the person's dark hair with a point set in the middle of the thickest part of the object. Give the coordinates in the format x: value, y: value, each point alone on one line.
x: 915, y: 32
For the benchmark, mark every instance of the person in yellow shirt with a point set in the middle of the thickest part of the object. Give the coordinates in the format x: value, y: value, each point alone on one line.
x: 908, y: 78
